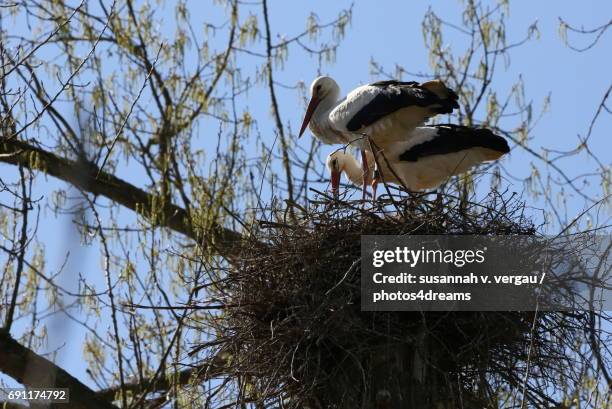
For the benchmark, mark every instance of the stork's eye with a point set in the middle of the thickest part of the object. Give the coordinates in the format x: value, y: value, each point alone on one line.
x: 318, y: 88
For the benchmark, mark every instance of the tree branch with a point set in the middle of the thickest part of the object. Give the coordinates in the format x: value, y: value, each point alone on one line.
x: 11, y: 405
x: 83, y: 174
x: 199, y: 373
x: 275, y: 110
x: 31, y: 369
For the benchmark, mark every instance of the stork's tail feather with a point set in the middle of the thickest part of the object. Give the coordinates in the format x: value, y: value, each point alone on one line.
x: 487, y: 139
x: 491, y: 145
x: 455, y: 138
x: 448, y: 97
x: 482, y: 137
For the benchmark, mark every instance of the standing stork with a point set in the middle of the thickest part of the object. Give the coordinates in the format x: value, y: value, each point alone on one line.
x: 426, y: 159
x: 384, y: 111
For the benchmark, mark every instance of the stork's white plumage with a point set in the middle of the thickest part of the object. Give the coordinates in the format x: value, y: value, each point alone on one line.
x: 430, y: 156
x: 385, y: 112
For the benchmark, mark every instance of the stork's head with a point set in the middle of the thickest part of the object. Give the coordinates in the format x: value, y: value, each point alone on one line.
x: 335, y: 164
x: 321, y: 89
x: 340, y: 161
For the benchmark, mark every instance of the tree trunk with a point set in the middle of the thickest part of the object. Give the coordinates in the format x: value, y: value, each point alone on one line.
x: 409, y: 376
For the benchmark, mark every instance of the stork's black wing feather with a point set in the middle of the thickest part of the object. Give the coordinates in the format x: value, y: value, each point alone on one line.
x: 455, y: 138
x: 394, y: 82
x: 394, y: 95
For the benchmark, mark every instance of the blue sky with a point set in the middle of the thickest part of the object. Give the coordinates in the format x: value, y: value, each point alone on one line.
x: 390, y: 32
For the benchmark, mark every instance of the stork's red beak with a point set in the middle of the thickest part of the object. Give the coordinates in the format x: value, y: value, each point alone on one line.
x: 335, y: 181
x: 312, y: 105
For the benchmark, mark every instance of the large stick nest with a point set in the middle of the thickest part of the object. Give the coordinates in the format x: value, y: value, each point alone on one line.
x: 294, y: 328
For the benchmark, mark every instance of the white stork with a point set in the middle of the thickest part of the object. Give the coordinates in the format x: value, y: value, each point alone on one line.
x: 426, y: 159
x: 385, y: 111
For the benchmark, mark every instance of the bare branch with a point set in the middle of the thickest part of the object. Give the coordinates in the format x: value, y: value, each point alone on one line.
x: 83, y: 176
x: 31, y: 369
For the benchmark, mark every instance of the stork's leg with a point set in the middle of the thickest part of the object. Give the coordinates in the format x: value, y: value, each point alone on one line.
x: 375, y: 181
x: 376, y: 177
x: 366, y: 175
